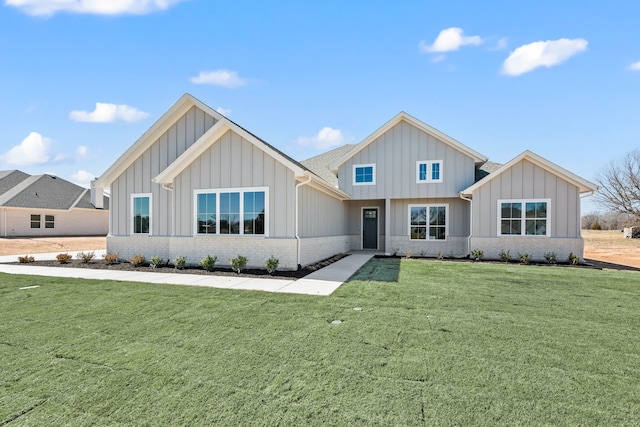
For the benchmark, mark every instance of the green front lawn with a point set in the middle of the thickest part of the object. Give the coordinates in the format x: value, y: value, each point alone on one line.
x: 435, y: 343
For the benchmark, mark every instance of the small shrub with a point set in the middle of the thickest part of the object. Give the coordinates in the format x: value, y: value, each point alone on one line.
x: 572, y: 259
x: 477, y: 254
x: 596, y: 226
x: 155, y: 262
x: 394, y: 251
x: 524, y: 258
x: 408, y: 253
x: 551, y: 257
x: 26, y: 259
x: 271, y: 264
x: 63, y: 258
x: 208, y: 262
x: 238, y: 263
x: 137, y: 260
x: 505, y: 256
x: 86, y: 257
x: 110, y: 258
x: 179, y: 262
x: 440, y: 255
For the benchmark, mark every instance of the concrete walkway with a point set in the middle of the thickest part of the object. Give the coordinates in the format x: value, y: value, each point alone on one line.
x: 320, y: 282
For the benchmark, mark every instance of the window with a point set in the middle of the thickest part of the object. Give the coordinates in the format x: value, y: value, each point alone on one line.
x: 428, y: 222
x: 364, y: 174
x: 49, y: 221
x: 141, y: 213
x: 523, y: 218
x: 232, y: 211
x: 35, y: 221
x: 429, y: 171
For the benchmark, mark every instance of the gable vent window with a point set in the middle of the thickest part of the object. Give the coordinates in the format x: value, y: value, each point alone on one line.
x: 429, y: 171
x: 35, y: 221
x: 364, y: 174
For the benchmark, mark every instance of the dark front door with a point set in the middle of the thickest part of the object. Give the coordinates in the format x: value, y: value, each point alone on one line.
x: 370, y: 228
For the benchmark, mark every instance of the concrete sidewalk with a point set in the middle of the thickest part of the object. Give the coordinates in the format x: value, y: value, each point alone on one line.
x: 320, y: 282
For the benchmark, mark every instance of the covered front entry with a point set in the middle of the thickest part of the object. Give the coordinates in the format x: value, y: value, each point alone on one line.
x: 369, y: 228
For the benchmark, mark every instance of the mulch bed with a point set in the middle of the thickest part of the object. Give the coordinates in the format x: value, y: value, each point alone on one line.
x: 218, y: 271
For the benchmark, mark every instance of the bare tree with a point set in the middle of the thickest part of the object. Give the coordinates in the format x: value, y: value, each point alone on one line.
x: 620, y: 186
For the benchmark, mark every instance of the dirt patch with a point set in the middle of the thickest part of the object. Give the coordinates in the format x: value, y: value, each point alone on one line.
x: 218, y: 271
x: 610, y: 248
x: 39, y: 245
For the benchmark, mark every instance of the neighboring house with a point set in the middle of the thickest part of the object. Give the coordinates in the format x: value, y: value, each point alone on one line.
x: 45, y: 205
x: 196, y: 183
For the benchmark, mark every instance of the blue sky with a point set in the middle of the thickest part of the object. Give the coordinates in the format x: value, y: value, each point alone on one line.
x: 81, y: 80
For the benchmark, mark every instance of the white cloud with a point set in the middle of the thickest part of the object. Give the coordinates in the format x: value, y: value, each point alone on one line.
x: 548, y: 54
x: 224, y: 78
x: 326, y: 138
x: 95, y: 7
x: 109, y: 113
x: 33, y: 150
x: 635, y: 66
x: 449, y: 40
x: 501, y: 44
x: 223, y: 111
x: 83, y: 178
x: 82, y: 151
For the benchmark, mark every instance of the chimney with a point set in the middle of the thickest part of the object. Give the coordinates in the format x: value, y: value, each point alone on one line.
x: 97, y: 198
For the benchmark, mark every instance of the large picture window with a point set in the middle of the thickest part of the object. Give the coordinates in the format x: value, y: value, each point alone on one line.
x: 231, y: 211
x: 523, y: 218
x: 364, y: 174
x: 429, y: 171
x: 141, y: 213
x: 428, y: 222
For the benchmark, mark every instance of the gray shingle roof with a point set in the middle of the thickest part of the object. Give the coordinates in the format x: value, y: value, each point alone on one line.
x: 486, y: 169
x: 320, y: 164
x: 20, y: 190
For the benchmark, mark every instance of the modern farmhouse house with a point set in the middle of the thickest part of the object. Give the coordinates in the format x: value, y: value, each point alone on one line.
x: 198, y: 184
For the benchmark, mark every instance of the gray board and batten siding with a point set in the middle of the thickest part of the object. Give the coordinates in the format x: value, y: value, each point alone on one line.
x: 395, y: 154
x: 527, y: 181
x: 137, y: 178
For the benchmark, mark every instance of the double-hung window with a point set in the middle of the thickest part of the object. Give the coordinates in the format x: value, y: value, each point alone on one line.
x: 35, y: 221
x: 364, y: 174
x: 231, y: 211
x: 428, y: 222
x: 141, y: 213
x: 428, y: 171
x: 523, y: 217
x: 49, y: 221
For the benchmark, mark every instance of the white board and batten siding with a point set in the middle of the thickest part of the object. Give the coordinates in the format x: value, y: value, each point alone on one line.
x: 321, y: 215
x: 527, y: 181
x: 137, y: 178
x: 395, y: 154
x: 234, y: 162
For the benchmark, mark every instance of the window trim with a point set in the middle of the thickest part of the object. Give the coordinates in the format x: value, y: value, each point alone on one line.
x: 523, y: 218
x: 32, y: 221
x: 429, y: 164
x: 131, y: 213
x: 373, y: 173
x: 429, y: 205
x: 217, y: 192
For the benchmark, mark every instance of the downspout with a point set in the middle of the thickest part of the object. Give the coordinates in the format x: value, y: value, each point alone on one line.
x: 470, y: 221
x: 169, y: 188
x: 297, y: 202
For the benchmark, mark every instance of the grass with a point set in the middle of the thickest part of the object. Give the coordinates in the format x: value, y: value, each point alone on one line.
x: 435, y: 343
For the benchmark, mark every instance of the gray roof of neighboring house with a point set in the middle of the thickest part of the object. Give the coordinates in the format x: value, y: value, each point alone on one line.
x: 20, y: 190
x: 320, y: 164
x: 486, y: 169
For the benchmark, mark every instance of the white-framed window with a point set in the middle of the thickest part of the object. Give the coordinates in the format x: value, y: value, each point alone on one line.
x: 428, y: 222
x: 428, y: 171
x: 141, y: 213
x: 35, y: 221
x: 231, y: 211
x: 524, y: 217
x: 364, y: 174
x: 49, y: 221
